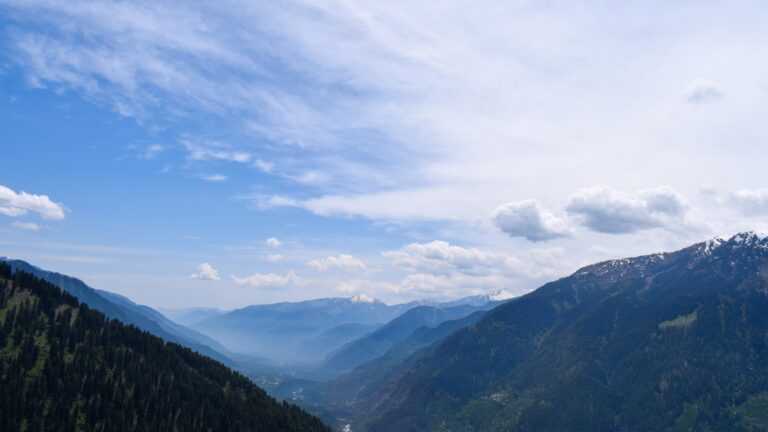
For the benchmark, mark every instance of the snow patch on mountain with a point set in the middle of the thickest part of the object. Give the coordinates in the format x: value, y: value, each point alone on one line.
x: 362, y: 298
x: 500, y: 295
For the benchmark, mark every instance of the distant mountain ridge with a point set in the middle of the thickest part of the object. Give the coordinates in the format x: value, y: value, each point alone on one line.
x: 378, y: 342
x: 283, y: 330
x: 670, y: 341
x: 115, y: 306
x: 191, y: 316
x: 308, y: 331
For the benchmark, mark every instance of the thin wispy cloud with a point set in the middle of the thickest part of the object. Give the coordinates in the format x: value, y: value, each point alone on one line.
x: 214, y: 178
x: 26, y: 226
x: 447, y: 135
x: 267, y: 280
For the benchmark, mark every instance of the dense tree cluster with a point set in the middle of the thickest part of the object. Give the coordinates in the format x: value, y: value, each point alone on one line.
x: 66, y: 367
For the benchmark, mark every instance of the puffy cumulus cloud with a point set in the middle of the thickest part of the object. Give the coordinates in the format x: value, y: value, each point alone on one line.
x: 440, y: 270
x: 529, y: 220
x: 273, y: 242
x: 341, y: 262
x: 702, y: 91
x: 206, y: 272
x: 267, y: 280
x: 609, y: 211
x: 440, y: 257
x: 18, y: 204
x: 28, y: 226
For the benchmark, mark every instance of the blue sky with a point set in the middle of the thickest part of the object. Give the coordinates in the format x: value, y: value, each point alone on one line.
x: 401, y: 150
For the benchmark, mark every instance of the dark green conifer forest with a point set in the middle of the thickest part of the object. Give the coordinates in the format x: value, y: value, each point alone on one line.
x: 65, y: 367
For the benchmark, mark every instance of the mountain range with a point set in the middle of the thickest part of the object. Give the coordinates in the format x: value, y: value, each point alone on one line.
x: 307, y: 332
x: 673, y: 341
x: 378, y: 342
x: 665, y: 342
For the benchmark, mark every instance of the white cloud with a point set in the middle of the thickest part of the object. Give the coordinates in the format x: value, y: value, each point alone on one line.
x: 606, y: 210
x: 751, y: 201
x: 266, y: 280
x: 529, y: 220
x: 152, y: 151
x: 703, y: 92
x: 440, y: 257
x: 205, y: 272
x: 264, y: 166
x: 18, y: 204
x: 366, y: 285
x: 457, y: 110
x: 275, y: 257
x: 273, y: 242
x: 423, y: 111
x: 312, y: 177
x: 341, y: 262
x: 748, y: 202
x: 207, y: 151
x: 28, y: 226
x: 214, y: 178
x: 440, y: 270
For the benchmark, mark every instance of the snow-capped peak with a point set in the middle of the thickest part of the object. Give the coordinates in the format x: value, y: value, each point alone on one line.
x: 746, y: 238
x: 713, y: 244
x: 749, y: 237
x: 500, y: 295
x: 362, y: 298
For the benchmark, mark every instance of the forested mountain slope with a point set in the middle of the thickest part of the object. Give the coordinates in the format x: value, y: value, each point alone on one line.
x: 378, y: 342
x: 118, y: 307
x: 65, y: 367
x: 674, y: 341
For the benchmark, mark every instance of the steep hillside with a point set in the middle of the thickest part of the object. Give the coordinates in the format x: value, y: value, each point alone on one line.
x: 673, y: 341
x: 378, y: 342
x: 118, y: 307
x: 341, y: 397
x: 64, y: 366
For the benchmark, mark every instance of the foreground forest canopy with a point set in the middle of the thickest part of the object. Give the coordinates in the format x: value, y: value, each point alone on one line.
x: 65, y: 367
